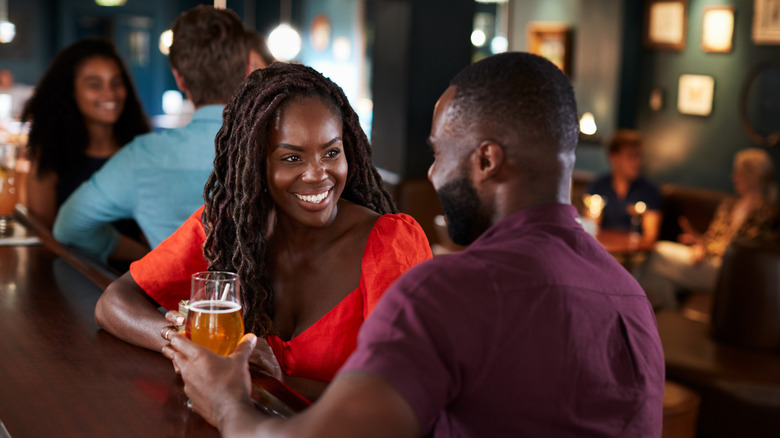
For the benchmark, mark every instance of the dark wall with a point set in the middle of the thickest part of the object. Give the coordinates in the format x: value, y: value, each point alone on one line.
x: 28, y: 55
x: 419, y: 47
x: 694, y: 150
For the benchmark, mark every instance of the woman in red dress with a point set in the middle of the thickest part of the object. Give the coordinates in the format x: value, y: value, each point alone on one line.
x: 295, y: 207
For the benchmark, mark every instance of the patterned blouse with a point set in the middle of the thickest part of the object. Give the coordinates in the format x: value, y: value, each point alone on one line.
x: 720, y: 233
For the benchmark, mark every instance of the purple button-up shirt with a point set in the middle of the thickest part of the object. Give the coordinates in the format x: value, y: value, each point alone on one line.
x: 534, y: 330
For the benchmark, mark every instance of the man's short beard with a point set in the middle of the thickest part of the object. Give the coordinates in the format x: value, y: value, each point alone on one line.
x: 465, y: 217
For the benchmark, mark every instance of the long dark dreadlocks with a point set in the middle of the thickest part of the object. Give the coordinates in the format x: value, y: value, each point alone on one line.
x: 237, y: 213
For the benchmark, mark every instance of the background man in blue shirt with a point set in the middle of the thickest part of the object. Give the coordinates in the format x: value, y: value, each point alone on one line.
x: 158, y: 178
x: 624, y: 187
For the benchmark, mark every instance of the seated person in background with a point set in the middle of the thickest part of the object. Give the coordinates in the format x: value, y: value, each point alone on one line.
x: 533, y: 330
x: 19, y: 93
x: 694, y: 263
x: 158, y: 178
x: 624, y: 187
x: 83, y: 111
x: 296, y: 208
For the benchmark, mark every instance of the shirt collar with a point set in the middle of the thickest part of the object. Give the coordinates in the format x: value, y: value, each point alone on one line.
x: 208, y: 113
x: 559, y: 214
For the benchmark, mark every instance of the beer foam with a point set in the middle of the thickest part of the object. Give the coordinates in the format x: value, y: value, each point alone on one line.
x: 214, y: 306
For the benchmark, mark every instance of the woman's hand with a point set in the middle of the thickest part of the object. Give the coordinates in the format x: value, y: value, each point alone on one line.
x: 264, y: 356
x: 175, y: 318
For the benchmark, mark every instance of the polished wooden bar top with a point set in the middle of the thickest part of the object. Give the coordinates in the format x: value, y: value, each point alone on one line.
x: 61, y: 375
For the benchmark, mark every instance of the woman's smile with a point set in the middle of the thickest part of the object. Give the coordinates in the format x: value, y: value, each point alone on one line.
x: 313, y: 199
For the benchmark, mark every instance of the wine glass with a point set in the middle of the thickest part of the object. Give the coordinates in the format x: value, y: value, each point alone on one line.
x: 214, y: 317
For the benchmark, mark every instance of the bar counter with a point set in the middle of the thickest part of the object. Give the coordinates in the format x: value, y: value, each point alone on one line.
x: 60, y: 374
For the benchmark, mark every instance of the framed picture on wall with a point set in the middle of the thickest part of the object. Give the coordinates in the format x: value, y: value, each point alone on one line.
x: 694, y: 94
x: 665, y: 24
x: 551, y: 41
x: 766, y: 22
x: 717, y: 30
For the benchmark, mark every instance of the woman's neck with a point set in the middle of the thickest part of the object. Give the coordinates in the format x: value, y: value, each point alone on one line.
x: 291, y: 235
x: 102, y: 143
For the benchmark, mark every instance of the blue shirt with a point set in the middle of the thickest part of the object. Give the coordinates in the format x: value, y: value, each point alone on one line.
x: 156, y: 179
x: 615, y: 214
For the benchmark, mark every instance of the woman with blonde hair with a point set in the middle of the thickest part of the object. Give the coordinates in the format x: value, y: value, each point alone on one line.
x: 695, y: 261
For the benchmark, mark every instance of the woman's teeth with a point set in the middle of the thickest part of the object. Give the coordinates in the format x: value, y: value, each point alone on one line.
x: 314, y: 199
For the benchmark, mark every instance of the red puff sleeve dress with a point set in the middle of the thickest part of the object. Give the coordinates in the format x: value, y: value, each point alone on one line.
x: 395, y: 244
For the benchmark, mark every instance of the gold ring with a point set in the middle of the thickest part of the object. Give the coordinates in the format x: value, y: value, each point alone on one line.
x: 166, y: 332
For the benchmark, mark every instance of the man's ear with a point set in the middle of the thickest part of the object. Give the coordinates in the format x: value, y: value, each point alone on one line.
x: 254, y: 61
x: 489, y: 157
x: 180, y: 83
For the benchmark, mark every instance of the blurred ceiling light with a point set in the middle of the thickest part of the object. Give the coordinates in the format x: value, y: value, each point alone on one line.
x: 7, y: 29
x: 110, y: 2
x: 7, y: 32
x: 172, y: 102
x: 342, y: 49
x: 588, y: 124
x: 492, y: 1
x: 284, y: 42
x: 499, y: 44
x: 5, y: 106
x: 478, y: 38
x: 166, y: 39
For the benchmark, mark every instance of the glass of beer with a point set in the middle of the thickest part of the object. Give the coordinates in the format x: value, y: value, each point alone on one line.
x: 8, y: 193
x: 214, y: 318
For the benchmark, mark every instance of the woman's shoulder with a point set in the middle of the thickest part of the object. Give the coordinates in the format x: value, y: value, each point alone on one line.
x: 396, y: 221
x: 398, y: 228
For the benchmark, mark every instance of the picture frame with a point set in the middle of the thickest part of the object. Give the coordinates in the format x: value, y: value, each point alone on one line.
x: 766, y: 21
x: 717, y: 30
x: 665, y: 24
x: 695, y: 94
x: 552, y: 41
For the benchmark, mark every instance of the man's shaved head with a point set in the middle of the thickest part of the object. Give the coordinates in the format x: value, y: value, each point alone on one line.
x: 523, y: 102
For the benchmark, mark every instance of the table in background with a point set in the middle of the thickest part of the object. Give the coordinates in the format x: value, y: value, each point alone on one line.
x: 626, y: 247
x: 739, y: 387
x: 61, y: 376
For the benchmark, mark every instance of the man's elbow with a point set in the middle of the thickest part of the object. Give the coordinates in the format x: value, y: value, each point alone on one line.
x: 61, y: 231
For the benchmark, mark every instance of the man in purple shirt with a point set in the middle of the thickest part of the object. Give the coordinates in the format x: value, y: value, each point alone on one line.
x: 534, y: 330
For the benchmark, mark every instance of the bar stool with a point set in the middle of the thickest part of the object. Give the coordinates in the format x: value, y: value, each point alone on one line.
x: 681, y: 410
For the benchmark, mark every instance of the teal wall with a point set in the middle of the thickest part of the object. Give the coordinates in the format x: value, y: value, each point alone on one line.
x: 614, y: 74
x: 694, y: 150
x: 28, y: 55
x: 597, y: 44
x: 347, y: 20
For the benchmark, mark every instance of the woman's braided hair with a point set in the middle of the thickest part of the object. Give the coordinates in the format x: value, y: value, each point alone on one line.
x: 238, y: 210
